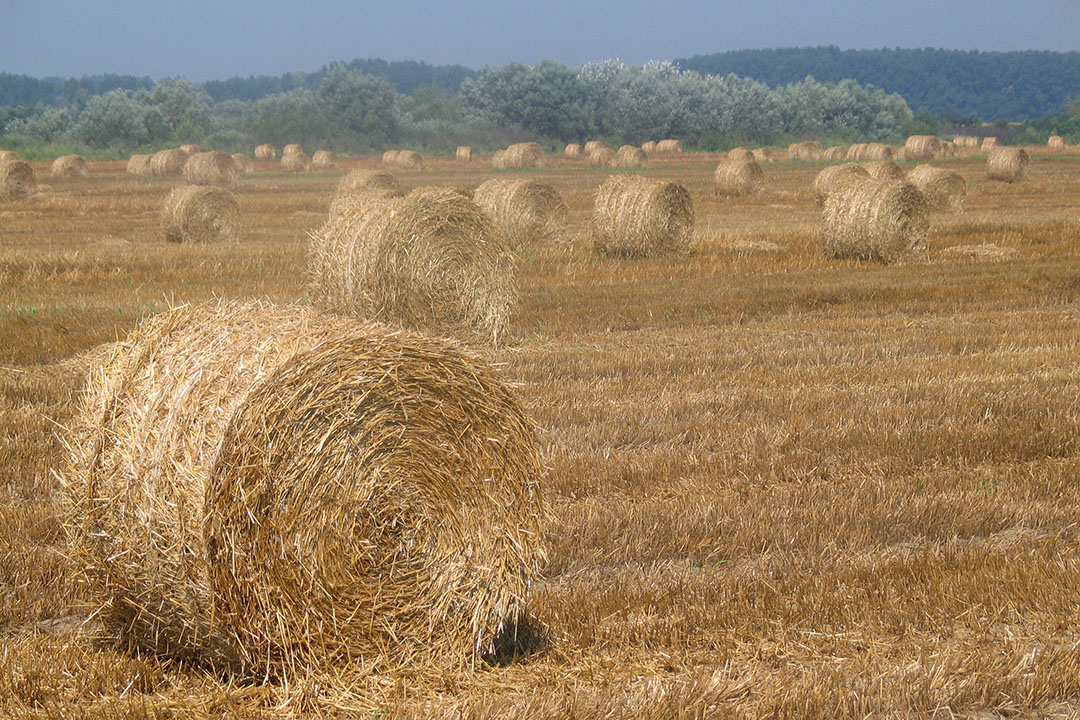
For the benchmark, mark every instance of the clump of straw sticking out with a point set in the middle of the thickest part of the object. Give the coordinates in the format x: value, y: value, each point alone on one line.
x: 808, y: 151
x: 271, y: 490
x: 211, y: 168
x: 463, y: 153
x: 592, y: 146
x: 528, y: 211
x: 191, y: 149
x: 168, y: 162
x: 17, y: 180
x: 265, y: 152
x: 198, y: 213
x: 944, y: 189
x: 291, y: 148
x: 244, y: 164
x: 885, y: 170
x: 878, y: 220
x: 324, y: 160
x: 430, y: 261
x: 296, y: 161
x: 921, y: 147
x: 574, y: 151
x: 630, y: 156
x: 834, y: 177
x: 1007, y: 163
x: 637, y: 217
x: 69, y: 166
x: 738, y: 177
x: 669, y: 146
x: 139, y: 165
x: 601, y: 157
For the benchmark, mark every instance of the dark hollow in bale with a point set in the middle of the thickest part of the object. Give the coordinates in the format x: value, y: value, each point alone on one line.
x: 200, y: 213
x: 883, y: 220
x: 944, y: 189
x: 835, y: 176
x: 738, y: 177
x: 529, y: 212
x: 1006, y: 163
x: 17, y: 180
x: 211, y: 168
x: 637, y: 217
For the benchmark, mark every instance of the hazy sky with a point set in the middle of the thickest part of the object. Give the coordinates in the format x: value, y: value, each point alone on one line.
x: 218, y: 39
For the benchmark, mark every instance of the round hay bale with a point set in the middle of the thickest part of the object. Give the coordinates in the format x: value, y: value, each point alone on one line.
x: 603, y: 157
x: 404, y: 159
x: 291, y: 148
x: 637, y: 217
x: 630, y: 156
x: 211, y: 168
x: 883, y: 220
x: 200, y: 213
x: 389, y: 156
x: 649, y: 146
x: 353, y: 201
x: 739, y: 153
x: 68, y: 166
x: 498, y: 159
x: 768, y: 155
x: 168, y: 162
x: 463, y: 153
x: 361, y: 180
x: 244, y: 164
x: 832, y: 178
x: 944, y: 189
x: 139, y: 165
x: 522, y: 155
x: 431, y: 261
x: 324, y: 160
x: 17, y: 180
x: 191, y: 149
x: 885, y: 170
x: 669, y: 146
x: 1007, y: 163
x: 738, y: 177
x: 921, y: 147
x: 574, y: 151
x: 877, y: 152
x: 295, y: 161
x: 593, y: 145
x: 988, y: 143
x: 808, y: 151
x: 265, y: 152
x: 856, y: 152
x: 8, y: 155
x: 1056, y: 141
x: 529, y: 212
x: 948, y: 149
x: 271, y: 490
x: 837, y: 152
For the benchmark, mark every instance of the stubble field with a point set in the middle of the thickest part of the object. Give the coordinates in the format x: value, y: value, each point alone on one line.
x: 782, y: 485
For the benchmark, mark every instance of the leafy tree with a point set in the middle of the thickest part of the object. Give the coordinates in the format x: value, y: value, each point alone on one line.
x: 359, y: 104
x: 116, y: 120
x: 182, y: 103
x: 549, y: 99
x: 45, y: 124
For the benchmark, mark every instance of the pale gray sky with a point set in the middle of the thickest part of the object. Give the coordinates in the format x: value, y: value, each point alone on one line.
x: 217, y: 39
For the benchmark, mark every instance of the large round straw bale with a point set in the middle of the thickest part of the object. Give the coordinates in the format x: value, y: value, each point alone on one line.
x: 669, y: 146
x: 17, y: 179
x: 1056, y: 141
x: 244, y: 164
x: 837, y: 152
x: 921, y: 147
x: 944, y: 189
x: 168, y: 162
x: 523, y: 155
x: 988, y: 143
x: 649, y: 146
x: 1006, y: 163
x: 295, y: 161
x: 211, y: 168
x: 738, y: 177
x: 529, y: 212
x: 885, y: 170
x: 882, y: 220
x: 139, y: 165
x: 877, y: 152
x: 574, y: 151
x: 808, y: 151
x: 592, y: 146
x: 463, y: 153
x: 324, y: 160
x: 431, y: 261
x: 191, y: 148
x: 601, y: 157
x: 200, y: 213
x: 265, y: 152
x: 68, y: 166
x: 8, y: 155
x: 272, y: 490
x: 833, y: 177
x: 637, y: 217
x: 292, y: 148
x: 630, y: 156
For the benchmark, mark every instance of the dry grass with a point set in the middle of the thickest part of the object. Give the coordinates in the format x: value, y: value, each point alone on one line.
x: 944, y: 189
x: 69, y: 166
x: 211, y: 168
x: 1007, y: 163
x: 529, y: 212
x: 739, y: 177
x: 634, y: 216
x: 881, y: 220
x: 17, y: 180
x: 196, y: 213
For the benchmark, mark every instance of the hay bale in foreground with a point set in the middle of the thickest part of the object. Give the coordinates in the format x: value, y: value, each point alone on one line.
x: 529, y: 212
x: 168, y: 162
x: 593, y: 145
x: 68, y: 166
x: 630, y: 156
x: 573, y: 151
x: 463, y: 153
x: 738, y: 177
x: 324, y: 160
x: 199, y: 213
x: 834, y: 177
x: 270, y: 490
x: 291, y: 148
x: 603, y: 157
x: 649, y: 146
x: 295, y: 161
x: 432, y: 261
x: 265, y: 152
x: 808, y: 151
x: 637, y: 217
x: 944, y: 189
x: 885, y: 170
x: 1007, y: 163
x: 211, y: 168
x: 191, y: 149
x: 139, y: 165
x: 244, y: 164
x: 669, y: 146
x: 17, y: 180
x: 1056, y: 141
x: 879, y: 220
x: 520, y: 155
x: 921, y: 147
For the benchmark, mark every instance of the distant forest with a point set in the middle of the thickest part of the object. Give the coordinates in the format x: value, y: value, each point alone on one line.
x: 951, y: 84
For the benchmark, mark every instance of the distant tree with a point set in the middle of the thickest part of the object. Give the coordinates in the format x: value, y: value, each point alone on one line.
x: 359, y: 104
x: 45, y: 124
x: 116, y: 120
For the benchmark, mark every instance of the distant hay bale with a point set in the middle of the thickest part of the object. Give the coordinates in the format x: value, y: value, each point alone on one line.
x: 739, y: 153
x: 630, y: 156
x: 808, y: 151
x: 463, y: 153
x: 768, y: 155
x: 69, y: 166
x: 265, y: 152
x: 592, y: 146
x: 244, y: 164
x: 432, y: 261
x: 649, y: 146
x: 669, y: 146
x: 876, y: 152
x: 404, y: 159
x: 168, y: 162
x: 17, y: 180
x: 1007, y: 163
x: 832, y: 178
x: 389, y: 156
x: 738, y: 177
x: 191, y: 148
x: 139, y: 165
x: 1056, y: 141
x: 269, y: 490
x: 948, y: 149
x: 211, y: 168
x: 637, y: 217
x: 529, y: 212
x: 361, y: 179
x: 966, y: 141
x: 837, y: 152
x: 8, y: 155
x: 295, y: 161
x: 944, y: 189
x: 885, y: 170
x: 602, y: 157
x: 921, y: 147
x: 498, y: 159
x: 988, y: 143
x: 879, y: 220
x: 324, y: 160
x: 856, y: 152
x: 200, y: 213
x: 574, y: 151
x: 520, y: 155
x: 291, y: 148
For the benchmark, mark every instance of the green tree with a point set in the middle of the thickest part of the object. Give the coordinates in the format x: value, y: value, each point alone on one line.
x: 116, y: 120
x: 359, y: 104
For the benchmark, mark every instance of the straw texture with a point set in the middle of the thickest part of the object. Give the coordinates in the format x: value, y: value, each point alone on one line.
x: 1007, y: 163
x: 876, y: 220
x: 944, y: 189
x: 738, y: 177
x: 198, y: 213
x: 529, y: 212
x: 69, y: 166
x: 265, y: 152
x: 834, y: 177
x: 211, y: 168
x: 17, y: 179
x: 637, y: 217
x: 139, y: 165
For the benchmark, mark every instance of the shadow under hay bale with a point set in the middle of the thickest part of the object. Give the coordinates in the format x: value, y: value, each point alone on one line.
x: 528, y: 211
x: 944, y: 189
x: 879, y: 220
x: 211, y: 168
x: 199, y: 213
x: 138, y: 165
x: 69, y: 166
x: 738, y: 177
x: 265, y: 152
x: 431, y: 261
x: 17, y: 180
x: 637, y: 217
x: 168, y: 162
x: 834, y: 177
x: 1007, y: 163
x: 270, y: 491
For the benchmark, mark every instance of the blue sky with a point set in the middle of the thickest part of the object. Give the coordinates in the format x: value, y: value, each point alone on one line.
x: 214, y: 40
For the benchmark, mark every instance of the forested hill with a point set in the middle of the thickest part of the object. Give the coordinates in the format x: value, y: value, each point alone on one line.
x: 960, y: 83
